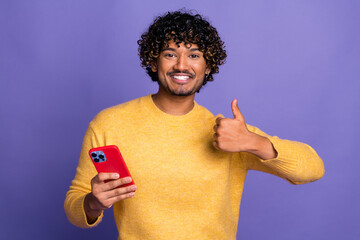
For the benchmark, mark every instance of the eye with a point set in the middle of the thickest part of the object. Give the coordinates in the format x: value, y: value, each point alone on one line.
x: 194, y: 56
x: 169, y: 55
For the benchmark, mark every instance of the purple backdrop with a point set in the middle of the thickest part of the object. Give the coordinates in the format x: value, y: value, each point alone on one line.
x: 293, y: 65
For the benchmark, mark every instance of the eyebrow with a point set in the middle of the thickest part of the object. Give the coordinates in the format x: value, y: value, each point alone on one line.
x: 173, y: 49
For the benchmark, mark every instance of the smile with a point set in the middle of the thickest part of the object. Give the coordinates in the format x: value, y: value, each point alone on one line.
x: 181, y: 77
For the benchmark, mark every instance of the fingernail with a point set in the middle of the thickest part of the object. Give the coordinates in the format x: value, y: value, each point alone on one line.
x: 116, y: 175
x: 133, y: 188
x: 128, y: 179
x: 131, y: 194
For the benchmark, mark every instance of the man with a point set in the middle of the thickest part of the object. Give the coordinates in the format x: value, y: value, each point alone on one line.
x: 189, y: 166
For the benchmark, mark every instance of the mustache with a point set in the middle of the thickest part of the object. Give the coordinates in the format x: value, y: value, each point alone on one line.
x: 185, y: 72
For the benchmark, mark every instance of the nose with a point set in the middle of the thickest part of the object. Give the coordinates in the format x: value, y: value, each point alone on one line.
x: 182, y: 63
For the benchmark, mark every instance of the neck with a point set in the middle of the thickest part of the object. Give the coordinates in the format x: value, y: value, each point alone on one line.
x: 171, y: 104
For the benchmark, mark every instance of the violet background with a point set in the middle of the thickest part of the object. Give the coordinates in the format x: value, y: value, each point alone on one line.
x: 293, y: 65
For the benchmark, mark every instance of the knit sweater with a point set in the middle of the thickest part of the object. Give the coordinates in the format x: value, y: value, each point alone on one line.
x: 186, y: 189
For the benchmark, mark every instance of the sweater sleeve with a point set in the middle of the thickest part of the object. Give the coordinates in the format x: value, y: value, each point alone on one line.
x: 296, y: 162
x: 81, y: 186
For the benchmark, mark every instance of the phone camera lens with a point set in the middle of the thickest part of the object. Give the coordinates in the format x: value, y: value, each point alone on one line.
x: 96, y: 160
x: 101, y: 156
x: 93, y: 154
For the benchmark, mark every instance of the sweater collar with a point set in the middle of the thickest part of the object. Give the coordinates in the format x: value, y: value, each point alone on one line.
x: 156, y: 112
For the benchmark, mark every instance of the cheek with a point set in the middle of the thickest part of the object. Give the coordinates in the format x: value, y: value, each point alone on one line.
x: 201, y: 66
x: 201, y: 69
x: 163, y: 68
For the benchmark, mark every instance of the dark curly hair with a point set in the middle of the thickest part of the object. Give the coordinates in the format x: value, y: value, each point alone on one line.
x: 181, y: 27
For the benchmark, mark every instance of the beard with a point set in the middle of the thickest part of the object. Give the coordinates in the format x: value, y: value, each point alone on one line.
x: 183, y: 92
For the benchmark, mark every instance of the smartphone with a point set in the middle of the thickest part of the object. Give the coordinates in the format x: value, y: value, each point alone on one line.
x: 109, y: 159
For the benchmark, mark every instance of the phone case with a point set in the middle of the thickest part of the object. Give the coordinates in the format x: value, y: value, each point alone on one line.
x: 109, y: 159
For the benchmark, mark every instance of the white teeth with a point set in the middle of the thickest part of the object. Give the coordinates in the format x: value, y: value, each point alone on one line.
x: 181, y: 77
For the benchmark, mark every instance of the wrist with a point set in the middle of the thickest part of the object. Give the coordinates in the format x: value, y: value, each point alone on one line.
x: 261, y: 147
x: 91, y: 213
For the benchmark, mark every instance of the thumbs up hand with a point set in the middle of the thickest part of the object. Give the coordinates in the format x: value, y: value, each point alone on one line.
x: 232, y: 135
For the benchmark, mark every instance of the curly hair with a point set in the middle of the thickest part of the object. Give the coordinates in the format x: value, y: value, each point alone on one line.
x: 181, y: 27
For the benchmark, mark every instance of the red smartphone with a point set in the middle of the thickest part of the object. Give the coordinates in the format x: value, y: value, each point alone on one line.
x: 109, y: 159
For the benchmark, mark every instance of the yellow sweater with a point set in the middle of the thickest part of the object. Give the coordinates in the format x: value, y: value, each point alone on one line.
x: 186, y: 188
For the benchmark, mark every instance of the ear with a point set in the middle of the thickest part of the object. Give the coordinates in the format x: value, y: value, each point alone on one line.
x: 154, y: 67
x: 207, y: 70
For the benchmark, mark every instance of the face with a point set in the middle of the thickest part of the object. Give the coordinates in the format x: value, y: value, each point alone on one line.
x: 181, y: 69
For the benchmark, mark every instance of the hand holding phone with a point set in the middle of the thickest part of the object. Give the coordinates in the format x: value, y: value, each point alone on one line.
x: 109, y: 159
x: 113, y: 183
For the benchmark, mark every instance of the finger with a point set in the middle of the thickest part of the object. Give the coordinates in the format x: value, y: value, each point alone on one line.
x: 116, y: 183
x: 121, y: 197
x: 106, y: 199
x: 235, y: 110
x: 215, y: 136
x: 216, y: 128
x: 107, y: 176
x: 217, y: 121
x: 120, y: 191
x: 118, y: 194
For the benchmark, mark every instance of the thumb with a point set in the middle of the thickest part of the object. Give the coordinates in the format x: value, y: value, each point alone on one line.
x: 235, y: 110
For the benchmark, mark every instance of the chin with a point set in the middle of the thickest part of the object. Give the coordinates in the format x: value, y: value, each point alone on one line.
x: 183, y: 92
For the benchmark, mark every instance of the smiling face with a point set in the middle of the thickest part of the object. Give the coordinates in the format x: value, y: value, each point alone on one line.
x: 181, y: 69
